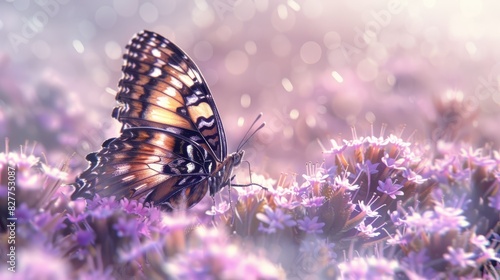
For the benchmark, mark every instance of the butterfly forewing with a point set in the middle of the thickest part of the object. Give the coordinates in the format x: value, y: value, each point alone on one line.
x: 172, y: 146
x: 162, y: 87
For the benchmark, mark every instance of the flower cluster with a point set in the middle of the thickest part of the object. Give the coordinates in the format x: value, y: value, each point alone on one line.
x: 373, y: 197
x: 341, y: 205
x: 459, y: 235
x: 373, y: 208
x: 103, y: 238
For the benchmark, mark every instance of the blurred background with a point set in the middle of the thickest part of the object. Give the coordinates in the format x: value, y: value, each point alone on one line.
x: 426, y: 69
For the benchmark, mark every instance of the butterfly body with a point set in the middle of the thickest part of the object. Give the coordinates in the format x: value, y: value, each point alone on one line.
x: 222, y: 175
x: 172, y: 148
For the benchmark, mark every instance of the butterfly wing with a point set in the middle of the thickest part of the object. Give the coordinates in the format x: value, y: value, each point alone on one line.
x: 162, y: 87
x: 165, y: 168
x: 172, y: 137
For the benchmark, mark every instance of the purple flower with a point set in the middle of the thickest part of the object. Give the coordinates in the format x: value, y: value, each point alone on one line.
x: 286, y: 203
x: 77, y: 210
x: 355, y: 143
x: 400, y: 143
x: 133, y: 206
x: 367, y: 209
x: 102, y: 207
x: 84, y: 237
x: 21, y: 160
x: 344, y: 183
x: 445, y: 164
x: 420, y: 222
x: 390, y: 188
x: 275, y: 219
x: 318, y: 177
x: 285, y: 197
x: 462, y: 174
x: 448, y: 219
x: 154, y: 214
x: 336, y: 148
x: 367, y: 230
x: 397, y: 239
x: 310, y: 225
x: 480, y: 241
x: 218, y: 209
x: 47, y: 220
x: 475, y: 157
x: 396, y: 218
x: 368, y: 167
x: 282, y: 191
x: 397, y: 164
x: 459, y: 257
x: 412, y: 176
x: 302, y: 190
x: 126, y: 227
x: 312, y: 202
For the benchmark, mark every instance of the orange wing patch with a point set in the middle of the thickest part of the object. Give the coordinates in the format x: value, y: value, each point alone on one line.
x: 200, y: 110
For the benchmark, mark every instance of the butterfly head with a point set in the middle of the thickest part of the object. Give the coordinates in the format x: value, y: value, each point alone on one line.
x: 237, y: 157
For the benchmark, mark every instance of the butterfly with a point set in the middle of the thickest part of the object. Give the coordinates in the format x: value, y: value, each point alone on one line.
x: 172, y: 148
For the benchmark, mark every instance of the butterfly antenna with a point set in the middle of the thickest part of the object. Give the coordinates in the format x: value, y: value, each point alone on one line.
x: 248, y: 136
x: 250, y: 128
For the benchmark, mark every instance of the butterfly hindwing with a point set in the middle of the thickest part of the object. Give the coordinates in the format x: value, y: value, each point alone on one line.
x: 149, y: 162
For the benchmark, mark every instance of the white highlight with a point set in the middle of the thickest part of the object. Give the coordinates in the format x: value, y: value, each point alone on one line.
x: 190, y: 167
x: 121, y: 169
x: 170, y: 91
x: 337, y: 76
x: 77, y: 44
x: 186, y: 80
x: 176, y: 83
x: 156, y: 53
x: 156, y: 72
x: 128, y: 178
x: 189, y: 149
x: 159, y: 63
x: 287, y: 85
